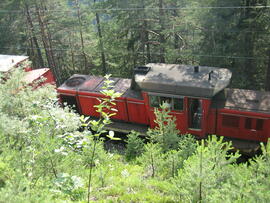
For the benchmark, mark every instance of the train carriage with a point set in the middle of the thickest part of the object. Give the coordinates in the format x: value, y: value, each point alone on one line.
x: 10, y: 62
x: 242, y: 114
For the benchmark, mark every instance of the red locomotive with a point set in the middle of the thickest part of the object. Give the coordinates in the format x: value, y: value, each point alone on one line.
x: 197, y: 96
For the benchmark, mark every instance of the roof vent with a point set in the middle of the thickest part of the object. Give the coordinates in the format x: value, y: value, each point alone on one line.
x: 141, y: 70
x: 209, y: 75
x: 73, y: 82
x: 196, y: 69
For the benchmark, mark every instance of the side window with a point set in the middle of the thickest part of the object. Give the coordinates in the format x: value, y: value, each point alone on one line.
x: 173, y: 103
x: 166, y: 100
x: 259, y: 124
x: 248, y: 123
x: 178, y: 104
x: 154, y: 101
x: 230, y: 121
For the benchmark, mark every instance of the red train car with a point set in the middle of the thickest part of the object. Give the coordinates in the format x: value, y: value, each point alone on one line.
x: 42, y: 75
x: 197, y: 96
x: 10, y: 62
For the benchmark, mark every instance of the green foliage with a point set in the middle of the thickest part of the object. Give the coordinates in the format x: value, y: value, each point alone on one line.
x: 187, y: 145
x: 5, y: 172
x: 69, y: 185
x: 171, y: 162
x: 134, y: 147
x: 45, y: 158
x: 84, y: 36
x: 151, y: 159
x: 106, y: 110
x: 206, y: 170
x: 31, y: 130
x: 165, y: 133
x: 247, y: 182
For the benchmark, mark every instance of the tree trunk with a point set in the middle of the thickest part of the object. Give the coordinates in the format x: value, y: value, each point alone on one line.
x: 267, y: 81
x: 103, y: 59
x: 56, y: 67
x: 81, y: 34
x: 145, y: 35
x: 72, y: 53
x: 176, y: 37
x: 43, y: 37
x: 46, y: 44
x: 249, y: 40
x: 161, y: 35
x: 33, y: 36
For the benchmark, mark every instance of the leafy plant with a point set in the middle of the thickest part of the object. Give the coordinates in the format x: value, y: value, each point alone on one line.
x: 44, y: 157
x: 151, y: 159
x: 187, y: 145
x: 106, y: 110
x: 134, y: 147
x: 171, y: 162
x: 69, y: 185
x: 205, y: 170
x: 165, y: 133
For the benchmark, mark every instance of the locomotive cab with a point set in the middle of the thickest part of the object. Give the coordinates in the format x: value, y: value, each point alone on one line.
x: 187, y: 89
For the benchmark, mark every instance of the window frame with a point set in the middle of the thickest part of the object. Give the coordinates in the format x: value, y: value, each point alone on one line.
x: 227, y: 123
x: 256, y: 124
x: 171, y: 97
x: 260, y: 126
x: 248, y: 123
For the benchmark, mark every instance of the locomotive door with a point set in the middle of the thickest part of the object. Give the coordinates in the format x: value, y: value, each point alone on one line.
x: 195, y: 117
x: 194, y: 114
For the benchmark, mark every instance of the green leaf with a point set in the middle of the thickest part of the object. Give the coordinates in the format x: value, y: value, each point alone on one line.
x: 111, y: 136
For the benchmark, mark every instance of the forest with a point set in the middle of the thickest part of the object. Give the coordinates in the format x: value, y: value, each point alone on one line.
x: 49, y: 153
x: 99, y: 36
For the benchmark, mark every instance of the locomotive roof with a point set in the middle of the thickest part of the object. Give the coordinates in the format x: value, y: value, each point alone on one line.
x: 94, y: 84
x: 7, y: 62
x: 183, y: 79
x: 240, y: 99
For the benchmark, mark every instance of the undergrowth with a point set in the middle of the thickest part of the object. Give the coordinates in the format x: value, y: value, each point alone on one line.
x: 44, y: 157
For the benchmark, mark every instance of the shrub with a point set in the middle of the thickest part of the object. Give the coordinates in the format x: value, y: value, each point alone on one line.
x: 165, y: 133
x: 71, y: 186
x: 134, y: 147
x: 151, y: 159
x: 205, y: 171
x: 187, y: 145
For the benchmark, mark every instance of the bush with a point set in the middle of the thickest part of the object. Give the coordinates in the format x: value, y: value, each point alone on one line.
x: 134, y: 147
x: 187, y: 145
x: 151, y: 159
x: 165, y: 133
x: 205, y: 171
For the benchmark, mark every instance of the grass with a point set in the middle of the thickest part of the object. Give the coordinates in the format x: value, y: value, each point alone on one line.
x: 125, y: 182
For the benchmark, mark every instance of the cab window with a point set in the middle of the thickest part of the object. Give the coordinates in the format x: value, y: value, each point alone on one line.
x: 172, y: 103
x: 154, y: 101
x: 178, y: 104
x: 167, y: 101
